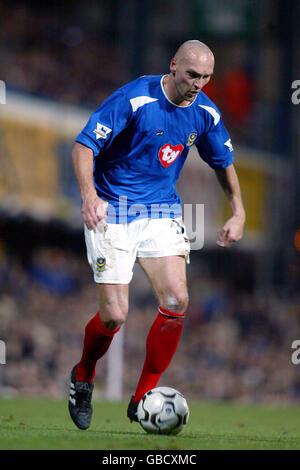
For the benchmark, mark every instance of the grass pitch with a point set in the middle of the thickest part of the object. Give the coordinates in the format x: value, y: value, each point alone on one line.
x: 44, y: 424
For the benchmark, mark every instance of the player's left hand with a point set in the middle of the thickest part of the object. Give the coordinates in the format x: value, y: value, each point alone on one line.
x: 231, y: 232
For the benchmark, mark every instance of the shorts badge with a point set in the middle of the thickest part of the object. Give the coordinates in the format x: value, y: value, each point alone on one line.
x: 101, y: 262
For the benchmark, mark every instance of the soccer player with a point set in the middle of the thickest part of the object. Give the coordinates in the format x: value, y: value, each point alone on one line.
x: 127, y: 160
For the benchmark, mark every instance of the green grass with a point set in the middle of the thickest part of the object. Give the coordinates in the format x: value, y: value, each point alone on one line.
x: 45, y: 424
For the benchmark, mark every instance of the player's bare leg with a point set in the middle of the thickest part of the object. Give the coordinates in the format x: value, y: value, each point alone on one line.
x: 113, y: 304
x: 167, y: 276
x: 99, y: 332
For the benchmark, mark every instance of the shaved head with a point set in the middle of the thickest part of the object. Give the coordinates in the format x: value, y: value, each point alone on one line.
x: 190, y: 70
x: 191, y: 47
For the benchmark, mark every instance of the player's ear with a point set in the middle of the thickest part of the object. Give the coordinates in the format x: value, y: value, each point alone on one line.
x: 173, y: 66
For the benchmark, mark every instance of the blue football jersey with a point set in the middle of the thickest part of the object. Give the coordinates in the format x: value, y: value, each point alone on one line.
x: 140, y: 141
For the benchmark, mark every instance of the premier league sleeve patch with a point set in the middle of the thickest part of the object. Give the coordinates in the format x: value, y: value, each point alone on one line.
x: 229, y: 145
x: 102, y: 131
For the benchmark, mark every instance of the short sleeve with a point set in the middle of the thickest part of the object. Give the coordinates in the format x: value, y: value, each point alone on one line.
x: 214, y: 145
x: 106, y: 122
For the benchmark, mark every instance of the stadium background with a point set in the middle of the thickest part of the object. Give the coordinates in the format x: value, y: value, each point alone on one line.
x: 58, y: 64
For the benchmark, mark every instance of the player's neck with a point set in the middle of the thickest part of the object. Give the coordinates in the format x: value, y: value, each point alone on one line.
x: 172, y: 94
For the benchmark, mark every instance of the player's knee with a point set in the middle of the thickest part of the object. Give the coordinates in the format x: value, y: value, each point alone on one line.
x: 114, y: 320
x: 113, y: 324
x: 176, y: 302
x: 113, y: 313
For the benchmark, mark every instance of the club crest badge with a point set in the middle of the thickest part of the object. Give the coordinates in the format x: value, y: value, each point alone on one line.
x: 101, y: 262
x: 191, y: 139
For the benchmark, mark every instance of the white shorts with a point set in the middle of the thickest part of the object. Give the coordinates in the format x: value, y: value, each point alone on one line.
x: 112, y: 254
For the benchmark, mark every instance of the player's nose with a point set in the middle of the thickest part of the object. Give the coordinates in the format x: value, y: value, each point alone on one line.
x: 198, y: 83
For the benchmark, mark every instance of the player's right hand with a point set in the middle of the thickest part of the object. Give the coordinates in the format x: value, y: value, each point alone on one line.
x: 93, y: 212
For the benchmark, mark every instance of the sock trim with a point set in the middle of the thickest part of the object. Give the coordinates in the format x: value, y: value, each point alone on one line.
x: 168, y: 313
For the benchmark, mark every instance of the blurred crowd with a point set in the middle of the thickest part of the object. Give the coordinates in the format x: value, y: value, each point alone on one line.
x: 234, y: 346
x: 77, y: 55
x: 44, y: 52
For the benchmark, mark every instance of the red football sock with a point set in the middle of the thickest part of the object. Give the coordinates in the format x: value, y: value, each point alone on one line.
x: 97, y: 340
x: 161, y: 345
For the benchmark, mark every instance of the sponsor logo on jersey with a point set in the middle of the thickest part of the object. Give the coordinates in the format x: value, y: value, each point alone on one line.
x: 191, y: 139
x: 168, y: 154
x: 159, y: 132
x: 229, y: 145
x: 101, y: 262
x: 102, y: 131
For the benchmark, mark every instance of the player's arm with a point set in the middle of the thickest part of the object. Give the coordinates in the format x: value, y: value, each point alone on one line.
x: 93, y: 208
x: 232, y: 230
x: 104, y: 124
